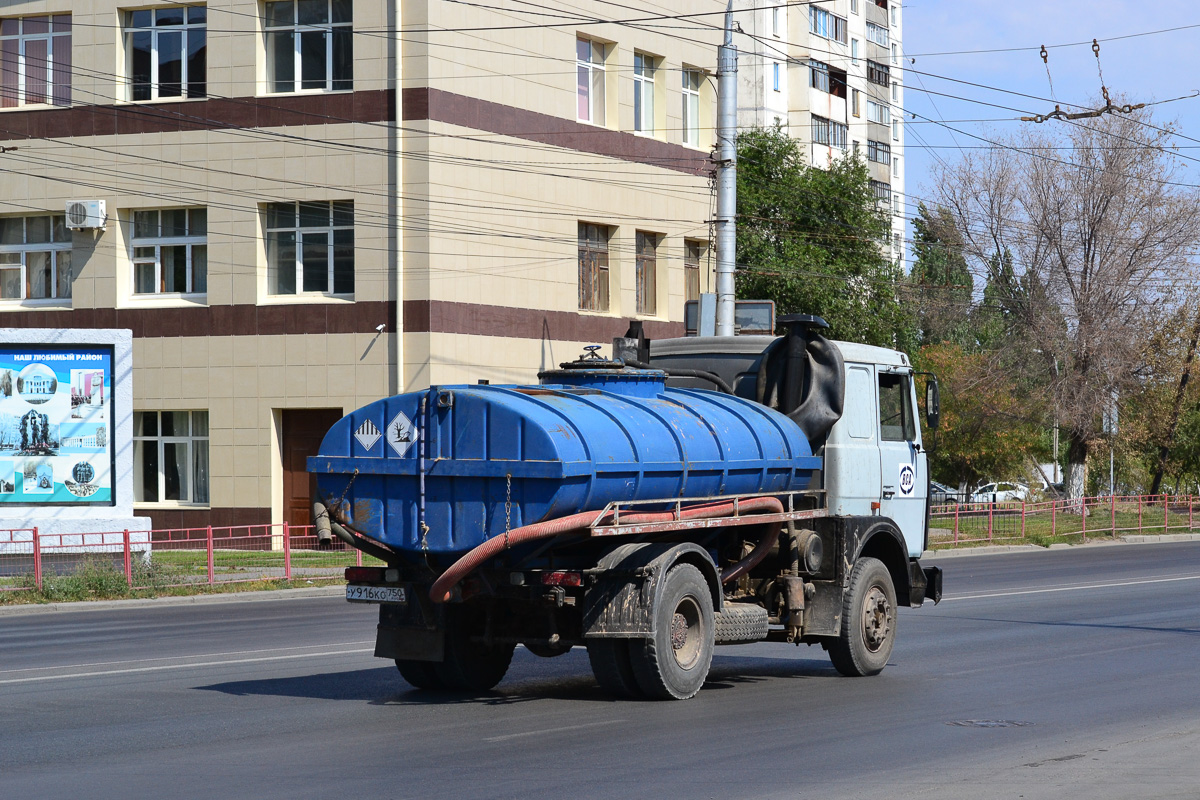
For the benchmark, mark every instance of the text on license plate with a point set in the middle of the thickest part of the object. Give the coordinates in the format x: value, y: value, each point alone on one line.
x: 375, y: 594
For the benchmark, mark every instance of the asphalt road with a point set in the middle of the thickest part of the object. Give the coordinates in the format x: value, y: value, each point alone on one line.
x: 1068, y: 673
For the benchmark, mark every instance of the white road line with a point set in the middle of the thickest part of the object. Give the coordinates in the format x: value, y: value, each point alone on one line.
x: 176, y: 658
x: 192, y: 665
x: 545, y: 731
x: 1065, y: 657
x: 1072, y: 588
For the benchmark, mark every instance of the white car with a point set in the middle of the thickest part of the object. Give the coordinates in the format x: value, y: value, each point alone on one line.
x: 1000, y: 493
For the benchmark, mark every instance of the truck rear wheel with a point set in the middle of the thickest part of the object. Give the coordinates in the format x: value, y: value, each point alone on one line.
x: 868, y: 621
x: 471, y: 665
x: 421, y: 674
x: 612, y: 667
x: 674, y: 662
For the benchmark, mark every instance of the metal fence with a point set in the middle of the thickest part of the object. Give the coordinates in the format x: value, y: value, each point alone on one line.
x: 1092, y: 517
x: 176, y: 557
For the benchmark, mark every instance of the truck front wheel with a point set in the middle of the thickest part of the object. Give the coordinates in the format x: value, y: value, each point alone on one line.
x: 868, y: 621
x: 674, y: 662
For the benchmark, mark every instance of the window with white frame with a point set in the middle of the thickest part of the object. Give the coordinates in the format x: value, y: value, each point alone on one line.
x: 310, y: 45
x: 170, y: 251
x: 879, y: 112
x: 35, y: 258
x: 310, y: 248
x: 829, y: 132
x: 877, y: 34
x: 853, y: 6
x: 827, y: 79
x: 692, y: 79
x: 166, y: 51
x: 775, y: 76
x: 35, y: 60
x: 895, y: 92
x: 644, y: 72
x: 855, y: 103
x: 896, y: 167
x: 854, y: 52
x: 170, y: 457
x: 895, y: 56
x: 829, y: 26
x: 895, y: 130
x: 647, y: 273
x: 894, y: 22
x: 589, y: 71
x: 776, y: 26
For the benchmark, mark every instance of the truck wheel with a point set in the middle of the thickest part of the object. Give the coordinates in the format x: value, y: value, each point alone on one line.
x: 471, y: 665
x: 674, y: 662
x: 868, y: 621
x: 421, y: 674
x: 612, y: 667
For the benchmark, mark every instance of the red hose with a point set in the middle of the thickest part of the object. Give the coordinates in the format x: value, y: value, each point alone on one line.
x: 440, y: 591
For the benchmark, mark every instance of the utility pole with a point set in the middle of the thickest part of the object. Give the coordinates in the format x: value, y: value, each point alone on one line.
x: 726, y: 176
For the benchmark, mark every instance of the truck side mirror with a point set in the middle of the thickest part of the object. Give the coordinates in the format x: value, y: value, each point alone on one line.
x: 933, y: 403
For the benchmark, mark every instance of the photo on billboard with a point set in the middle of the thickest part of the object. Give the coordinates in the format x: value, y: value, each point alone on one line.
x: 56, y: 445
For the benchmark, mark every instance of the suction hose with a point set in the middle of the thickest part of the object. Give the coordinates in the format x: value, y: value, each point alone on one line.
x: 440, y: 591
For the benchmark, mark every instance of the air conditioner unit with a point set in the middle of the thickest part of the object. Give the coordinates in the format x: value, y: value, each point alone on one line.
x: 84, y: 214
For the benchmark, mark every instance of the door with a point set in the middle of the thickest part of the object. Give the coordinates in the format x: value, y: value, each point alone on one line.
x: 303, y: 430
x: 903, y: 465
x: 852, y: 449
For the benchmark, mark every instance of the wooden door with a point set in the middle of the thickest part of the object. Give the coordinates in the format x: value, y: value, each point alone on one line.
x: 303, y: 430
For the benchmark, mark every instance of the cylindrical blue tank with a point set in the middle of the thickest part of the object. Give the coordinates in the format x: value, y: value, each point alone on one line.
x: 506, y: 456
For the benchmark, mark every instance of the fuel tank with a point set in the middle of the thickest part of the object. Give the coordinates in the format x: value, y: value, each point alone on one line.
x: 444, y: 469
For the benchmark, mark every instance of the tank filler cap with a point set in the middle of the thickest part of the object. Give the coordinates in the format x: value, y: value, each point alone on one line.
x: 594, y: 371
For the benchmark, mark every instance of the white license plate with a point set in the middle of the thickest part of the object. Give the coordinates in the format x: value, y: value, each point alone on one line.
x: 375, y: 594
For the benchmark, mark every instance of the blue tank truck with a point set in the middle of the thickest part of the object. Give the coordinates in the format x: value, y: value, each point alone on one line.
x: 685, y: 493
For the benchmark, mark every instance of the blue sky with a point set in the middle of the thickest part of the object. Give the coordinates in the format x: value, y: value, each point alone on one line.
x: 1142, y: 68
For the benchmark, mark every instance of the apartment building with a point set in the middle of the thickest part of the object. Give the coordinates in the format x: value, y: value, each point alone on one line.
x: 312, y: 204
x: 831, y: 73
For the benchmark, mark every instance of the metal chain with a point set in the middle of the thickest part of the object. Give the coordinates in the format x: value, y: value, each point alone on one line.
x: 507, y: 507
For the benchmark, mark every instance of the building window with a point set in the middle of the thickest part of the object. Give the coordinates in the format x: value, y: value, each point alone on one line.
x: 853, y: 6
x: 894, y: 23
x: 589, y: 68
x: 828, y: 79
x: 35, y: 258
x: 309, y: 45
x: 829, y: 26
x: 643, y: 93
x: 828, y: 132
x: 35, y: 60
x: 882, y: 192
x: 877, y: 34
x: 775, y: 24
x: 775, y: 76
x: 879, y: 112
x: 310, y: 248
x: 895, y: 130
x: 896, y: 167
x: 647, y: 273
x: 855, y: 103
x: 854, y: 52
x: 895, y: 92
x: 895, y: 56
x: 878, y: 73
x: 692, y: 253
x: 170, y: 457
x: 170, y: 252
x: 692, y: 79
x: 879, y: 152
x: 166, y: 52
x: 593, y: 267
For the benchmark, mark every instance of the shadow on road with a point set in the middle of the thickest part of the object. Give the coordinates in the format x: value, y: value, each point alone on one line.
x: 383, y: 686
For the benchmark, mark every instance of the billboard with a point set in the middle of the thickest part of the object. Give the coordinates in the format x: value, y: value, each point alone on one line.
x: 56, y: 425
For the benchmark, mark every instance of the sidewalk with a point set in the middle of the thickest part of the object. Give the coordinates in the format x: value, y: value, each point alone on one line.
x: 266, y: 596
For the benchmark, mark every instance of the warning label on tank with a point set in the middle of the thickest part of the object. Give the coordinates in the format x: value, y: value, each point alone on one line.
x: 908, y: 480
x: 367, y: 434
x: 400, y: 433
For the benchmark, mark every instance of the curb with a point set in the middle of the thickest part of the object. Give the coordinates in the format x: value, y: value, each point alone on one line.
x: 1033, y: 548
x: 264, y: 596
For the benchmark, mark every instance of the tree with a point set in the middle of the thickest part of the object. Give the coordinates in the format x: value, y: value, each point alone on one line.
x: 814, y: 240
x: 942, y: 283
x: 1096, y: 221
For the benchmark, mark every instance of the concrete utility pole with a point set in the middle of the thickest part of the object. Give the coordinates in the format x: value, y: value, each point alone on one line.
x: 726, y: 176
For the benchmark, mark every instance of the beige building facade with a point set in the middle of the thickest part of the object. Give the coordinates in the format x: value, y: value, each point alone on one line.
x: 313, y: 204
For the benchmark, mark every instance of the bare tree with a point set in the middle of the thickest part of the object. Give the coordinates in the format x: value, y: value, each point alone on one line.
x: 1099, y: 225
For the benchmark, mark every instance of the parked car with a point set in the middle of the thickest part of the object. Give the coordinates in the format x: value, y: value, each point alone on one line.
x: 1000, y: 492
x: 941, y: 494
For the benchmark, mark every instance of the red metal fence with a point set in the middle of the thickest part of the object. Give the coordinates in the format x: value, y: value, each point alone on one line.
x: 175, y: 557
x: 1091, y: 517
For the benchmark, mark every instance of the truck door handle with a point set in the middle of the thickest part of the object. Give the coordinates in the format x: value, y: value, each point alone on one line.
x: 889, y: 491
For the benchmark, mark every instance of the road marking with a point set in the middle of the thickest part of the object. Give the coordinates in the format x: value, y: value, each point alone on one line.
x: 1072, y: 588
x: 164, y: 667
x: 1064, y: 657
x: 544, y: 731
x: 176, y: 658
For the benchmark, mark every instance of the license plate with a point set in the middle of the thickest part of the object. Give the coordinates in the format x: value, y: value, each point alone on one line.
x: 375, y: 594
